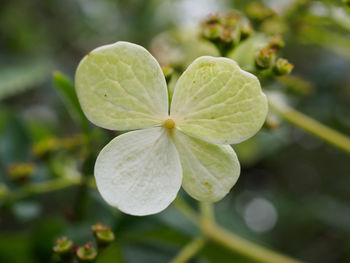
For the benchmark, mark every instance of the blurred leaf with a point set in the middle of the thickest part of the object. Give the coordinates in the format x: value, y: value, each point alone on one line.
x: 16, y: 79
x: 15, y: 140
x: 15, y: 249
x: 66, y: 89
x: 112, y: 254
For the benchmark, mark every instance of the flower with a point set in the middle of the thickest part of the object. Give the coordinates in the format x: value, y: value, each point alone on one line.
x: 215, y: 103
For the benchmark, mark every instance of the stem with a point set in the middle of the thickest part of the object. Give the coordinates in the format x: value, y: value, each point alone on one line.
x: 207, y: 211
x: 189, y: 250
x: 44, y: 187
x: 243, y: 246
x: 310, y: 125
x: 231, y: 241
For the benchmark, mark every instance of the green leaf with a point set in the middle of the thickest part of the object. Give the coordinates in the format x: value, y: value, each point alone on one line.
x: 17, y: 79
x: 111, y: 254
x: 122, y: 87
x: 216, y: 101
x: 66, y: 89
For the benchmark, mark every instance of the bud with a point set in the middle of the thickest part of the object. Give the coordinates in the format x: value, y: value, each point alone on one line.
x: 282, y: 67
x: 86, y: 253
x: 103, y: 234
x: 276, y: 42
x: 265, y: 58
x: 230, y: 35
x: 70, y: 143
x: 45, y: 146
x: 168, y: 72
x: 63, y: 247
x: 272, y: 121
x: 246, y: 29
x: 212, y: 32
x: 21, y: 172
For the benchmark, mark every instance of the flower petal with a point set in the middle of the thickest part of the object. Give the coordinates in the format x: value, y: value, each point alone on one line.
x: 122, y: 87
x: 209, y: 170
x: 216, y: 101
x: 139, y: 172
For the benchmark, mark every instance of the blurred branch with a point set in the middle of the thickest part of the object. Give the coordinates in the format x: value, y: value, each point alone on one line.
x: 44, y: 187
x: 243, y: 246
x: 310, y: 125
x: 227, y: 239
x: 190, y: 250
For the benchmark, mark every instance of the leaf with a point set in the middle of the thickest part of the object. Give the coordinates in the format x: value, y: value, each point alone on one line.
x: 17, y: 79
x: 139, y: 172
x: 122, y: 87
x: 111, y: 254
x: 244, y: 54
x: 216, y: 101
x: 209, y: 170
x: 66, y: 89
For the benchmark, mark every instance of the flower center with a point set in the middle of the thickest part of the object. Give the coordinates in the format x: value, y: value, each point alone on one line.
x: 169, y: 124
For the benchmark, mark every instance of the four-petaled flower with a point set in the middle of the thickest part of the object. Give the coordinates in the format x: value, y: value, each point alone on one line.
x: 215, y: 103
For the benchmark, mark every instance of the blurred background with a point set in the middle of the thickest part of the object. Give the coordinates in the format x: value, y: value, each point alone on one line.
x: 294, y: 191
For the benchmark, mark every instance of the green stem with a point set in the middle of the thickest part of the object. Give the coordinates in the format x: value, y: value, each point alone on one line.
x: 310, y: 125
x: 190, y: 250
x: 243, y: 246
x: 44, y: 187
x: 231, y: 241
x: 207, y: 211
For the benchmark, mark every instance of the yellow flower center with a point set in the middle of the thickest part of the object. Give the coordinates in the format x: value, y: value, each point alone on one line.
x: 169, y: 124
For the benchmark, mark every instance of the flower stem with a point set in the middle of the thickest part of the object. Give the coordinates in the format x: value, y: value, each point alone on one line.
x: 243, y: 246
x: 189, y: 250
x: 310, y: 125
x: 207, y: 211
x: 214, y: 232
x: 44, y: 187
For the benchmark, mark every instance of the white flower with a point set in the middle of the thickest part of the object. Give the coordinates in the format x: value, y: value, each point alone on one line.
x: 215, y: 103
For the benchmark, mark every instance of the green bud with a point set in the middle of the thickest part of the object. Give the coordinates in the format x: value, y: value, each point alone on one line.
x: 230, y: 36
x: 168, y: 72
x: 103, y: 234
x: 71, y: 143
x: 276, y: 42
x: 211, y: 32
x: 86, y: 253
x: 246, y: 29
x: 21, y: 172
x: 265, y: 58
x: 282, y: 67
x: 63, y: 247
x: 45, y: 146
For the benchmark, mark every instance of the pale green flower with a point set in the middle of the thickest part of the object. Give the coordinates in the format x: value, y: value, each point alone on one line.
x: 215, y: 103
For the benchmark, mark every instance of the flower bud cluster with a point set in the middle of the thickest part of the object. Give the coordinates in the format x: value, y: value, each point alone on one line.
x: 21, y: 172
x: 66, y: 250
x: 226, y: 31
x: 52, y: 144
x: 266, y: 58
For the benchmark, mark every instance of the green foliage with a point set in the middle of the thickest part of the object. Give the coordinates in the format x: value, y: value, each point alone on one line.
x: 23, y: 76
x: 66, y: 89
